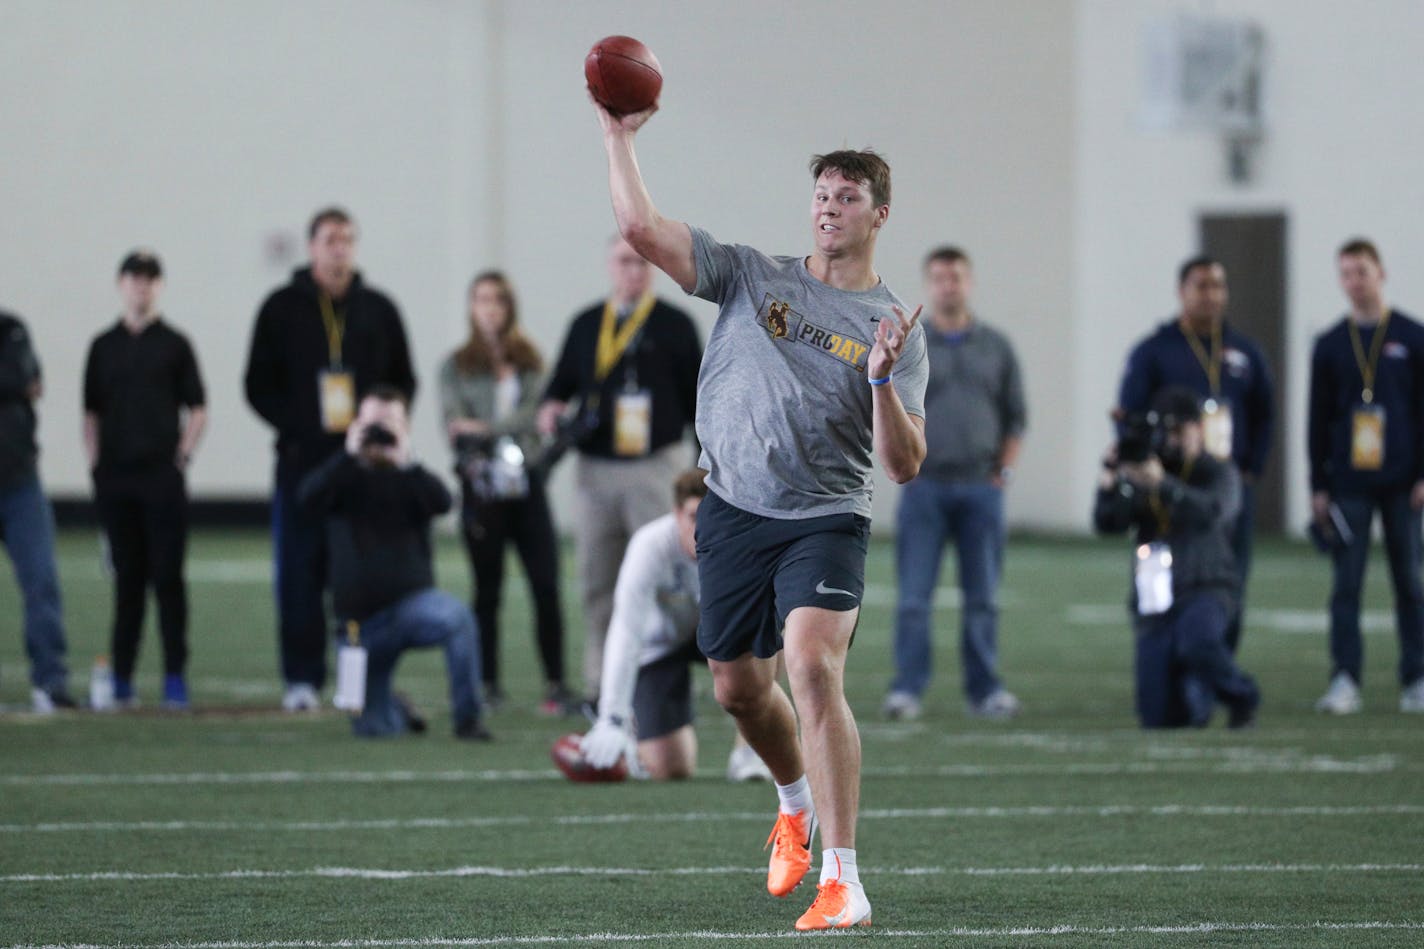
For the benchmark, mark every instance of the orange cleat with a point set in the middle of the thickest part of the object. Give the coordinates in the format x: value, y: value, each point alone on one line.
x: 838, y: 906
x: 791, y: 853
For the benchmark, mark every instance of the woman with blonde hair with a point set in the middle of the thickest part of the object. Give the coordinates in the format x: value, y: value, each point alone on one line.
x: 489, y: 391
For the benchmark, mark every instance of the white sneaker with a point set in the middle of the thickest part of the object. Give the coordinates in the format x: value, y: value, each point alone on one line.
x: 1412, y: 698
x: 901, y: 707
x: 1342, y: 698
x: 300, y: 697
x: 744, y: 764
x: 40, y: 702
x: 1000, y: 705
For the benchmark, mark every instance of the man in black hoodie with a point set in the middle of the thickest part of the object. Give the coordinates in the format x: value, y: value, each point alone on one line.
x: 319, y: 344
x: 1183, y: 504
x: 377, y: 505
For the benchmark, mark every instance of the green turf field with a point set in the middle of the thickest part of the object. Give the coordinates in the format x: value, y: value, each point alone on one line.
x: 237, y: 826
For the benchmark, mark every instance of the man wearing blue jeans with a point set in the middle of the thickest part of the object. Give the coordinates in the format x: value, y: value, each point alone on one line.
x: 975, y: 416
x: 26, y: 519
x: 378, y: 505
x: 1366, y: 441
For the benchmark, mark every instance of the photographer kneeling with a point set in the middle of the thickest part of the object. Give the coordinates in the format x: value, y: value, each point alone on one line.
x: 1185, y: 589
x: 378, y: 506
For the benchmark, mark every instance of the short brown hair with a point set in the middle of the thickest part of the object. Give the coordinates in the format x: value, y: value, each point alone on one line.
x: 1360, y: 247
x: 327, y: 215
x: 692, y: 483
x: 863, y: 167
x: 947, y: 253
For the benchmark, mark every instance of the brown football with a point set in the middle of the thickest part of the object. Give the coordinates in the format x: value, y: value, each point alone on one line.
x: 623, y: 74
x: 569, y: 759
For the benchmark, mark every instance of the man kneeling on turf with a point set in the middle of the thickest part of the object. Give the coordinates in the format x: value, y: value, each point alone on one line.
x: 1182, y: 503
x: 378, y: 506
x: 651, y: 649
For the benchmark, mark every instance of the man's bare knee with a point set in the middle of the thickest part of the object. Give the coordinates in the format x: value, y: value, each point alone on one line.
x: 741, y: 697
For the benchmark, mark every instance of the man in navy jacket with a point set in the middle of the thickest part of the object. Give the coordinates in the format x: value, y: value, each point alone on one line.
x: 1367, y: 453
x: 1199, y: 351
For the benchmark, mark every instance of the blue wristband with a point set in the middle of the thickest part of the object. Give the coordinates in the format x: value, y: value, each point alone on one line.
x: 879, y: 382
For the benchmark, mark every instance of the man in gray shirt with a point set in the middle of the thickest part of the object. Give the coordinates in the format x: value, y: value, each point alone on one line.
x: 975, y: 398
x: 794, y: 395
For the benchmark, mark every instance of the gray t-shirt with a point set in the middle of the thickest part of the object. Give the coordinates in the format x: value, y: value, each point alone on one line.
x: 976, y: 400
x: 783, y: 406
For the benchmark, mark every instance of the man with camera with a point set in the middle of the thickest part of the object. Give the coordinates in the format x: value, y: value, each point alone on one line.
x: 318, y: 343
x: 624, y: 392
x: 378, y: 504
x: 1201, y: 352
x: 1182, y: 503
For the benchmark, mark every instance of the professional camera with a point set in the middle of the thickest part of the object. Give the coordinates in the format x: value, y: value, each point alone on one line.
x: 377, y: 436
x: 1143, y: 435
x: 493, y: 467
x: 573, y: 429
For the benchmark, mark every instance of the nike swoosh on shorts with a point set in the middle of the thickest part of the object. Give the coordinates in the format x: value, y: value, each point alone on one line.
x: 824, y: 590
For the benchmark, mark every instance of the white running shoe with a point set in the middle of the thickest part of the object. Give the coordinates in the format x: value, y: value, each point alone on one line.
x: 1000, y: 705
x: 1412, y: 698
x: 1342, y: 698
x: 901, y: 707
x: 744, y: 764
x: 300, y: 697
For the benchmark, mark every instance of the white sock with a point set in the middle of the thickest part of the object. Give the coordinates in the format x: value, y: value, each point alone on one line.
x: 796, y: 796
x: 838, y: 863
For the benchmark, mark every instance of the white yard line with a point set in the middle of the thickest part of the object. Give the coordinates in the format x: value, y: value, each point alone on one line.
x: 575, y: 820
x: 715, y: 936
x: 376, y: 873
x: 1287, y: 764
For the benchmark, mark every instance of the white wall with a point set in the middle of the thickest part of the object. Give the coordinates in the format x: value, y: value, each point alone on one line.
x: 459, y: 135
x: 203, y: 129
x: 1343, y: 86
x: 964, y: 99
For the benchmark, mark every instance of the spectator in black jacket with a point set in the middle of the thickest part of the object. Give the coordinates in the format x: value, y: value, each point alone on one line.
x: 1367, y: 453
x: 26, y: 519
x: 628, y: 370
x: 377, y: 506
x: 319, y: 343
x: 1182, y: 502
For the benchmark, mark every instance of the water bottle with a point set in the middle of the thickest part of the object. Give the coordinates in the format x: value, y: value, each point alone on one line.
x: 101, y: 686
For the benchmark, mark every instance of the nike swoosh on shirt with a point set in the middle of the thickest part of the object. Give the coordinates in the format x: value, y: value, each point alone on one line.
x: 822, y: 589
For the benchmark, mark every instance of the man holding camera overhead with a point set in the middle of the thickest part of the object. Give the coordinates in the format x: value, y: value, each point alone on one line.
x: 1181, y: 501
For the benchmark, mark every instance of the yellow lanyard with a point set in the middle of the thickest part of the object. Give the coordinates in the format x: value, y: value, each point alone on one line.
x: 1164, y: 518
x: 1210, y: 362
x: 1367, y: 367
x: 612, y: 342
x: 335, y: 328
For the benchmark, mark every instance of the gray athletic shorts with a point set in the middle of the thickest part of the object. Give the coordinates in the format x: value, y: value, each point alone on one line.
x: 662, y: 699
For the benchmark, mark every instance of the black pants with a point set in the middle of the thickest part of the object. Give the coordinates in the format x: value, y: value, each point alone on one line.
x: 144, y: 514
x: 487, y: 527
